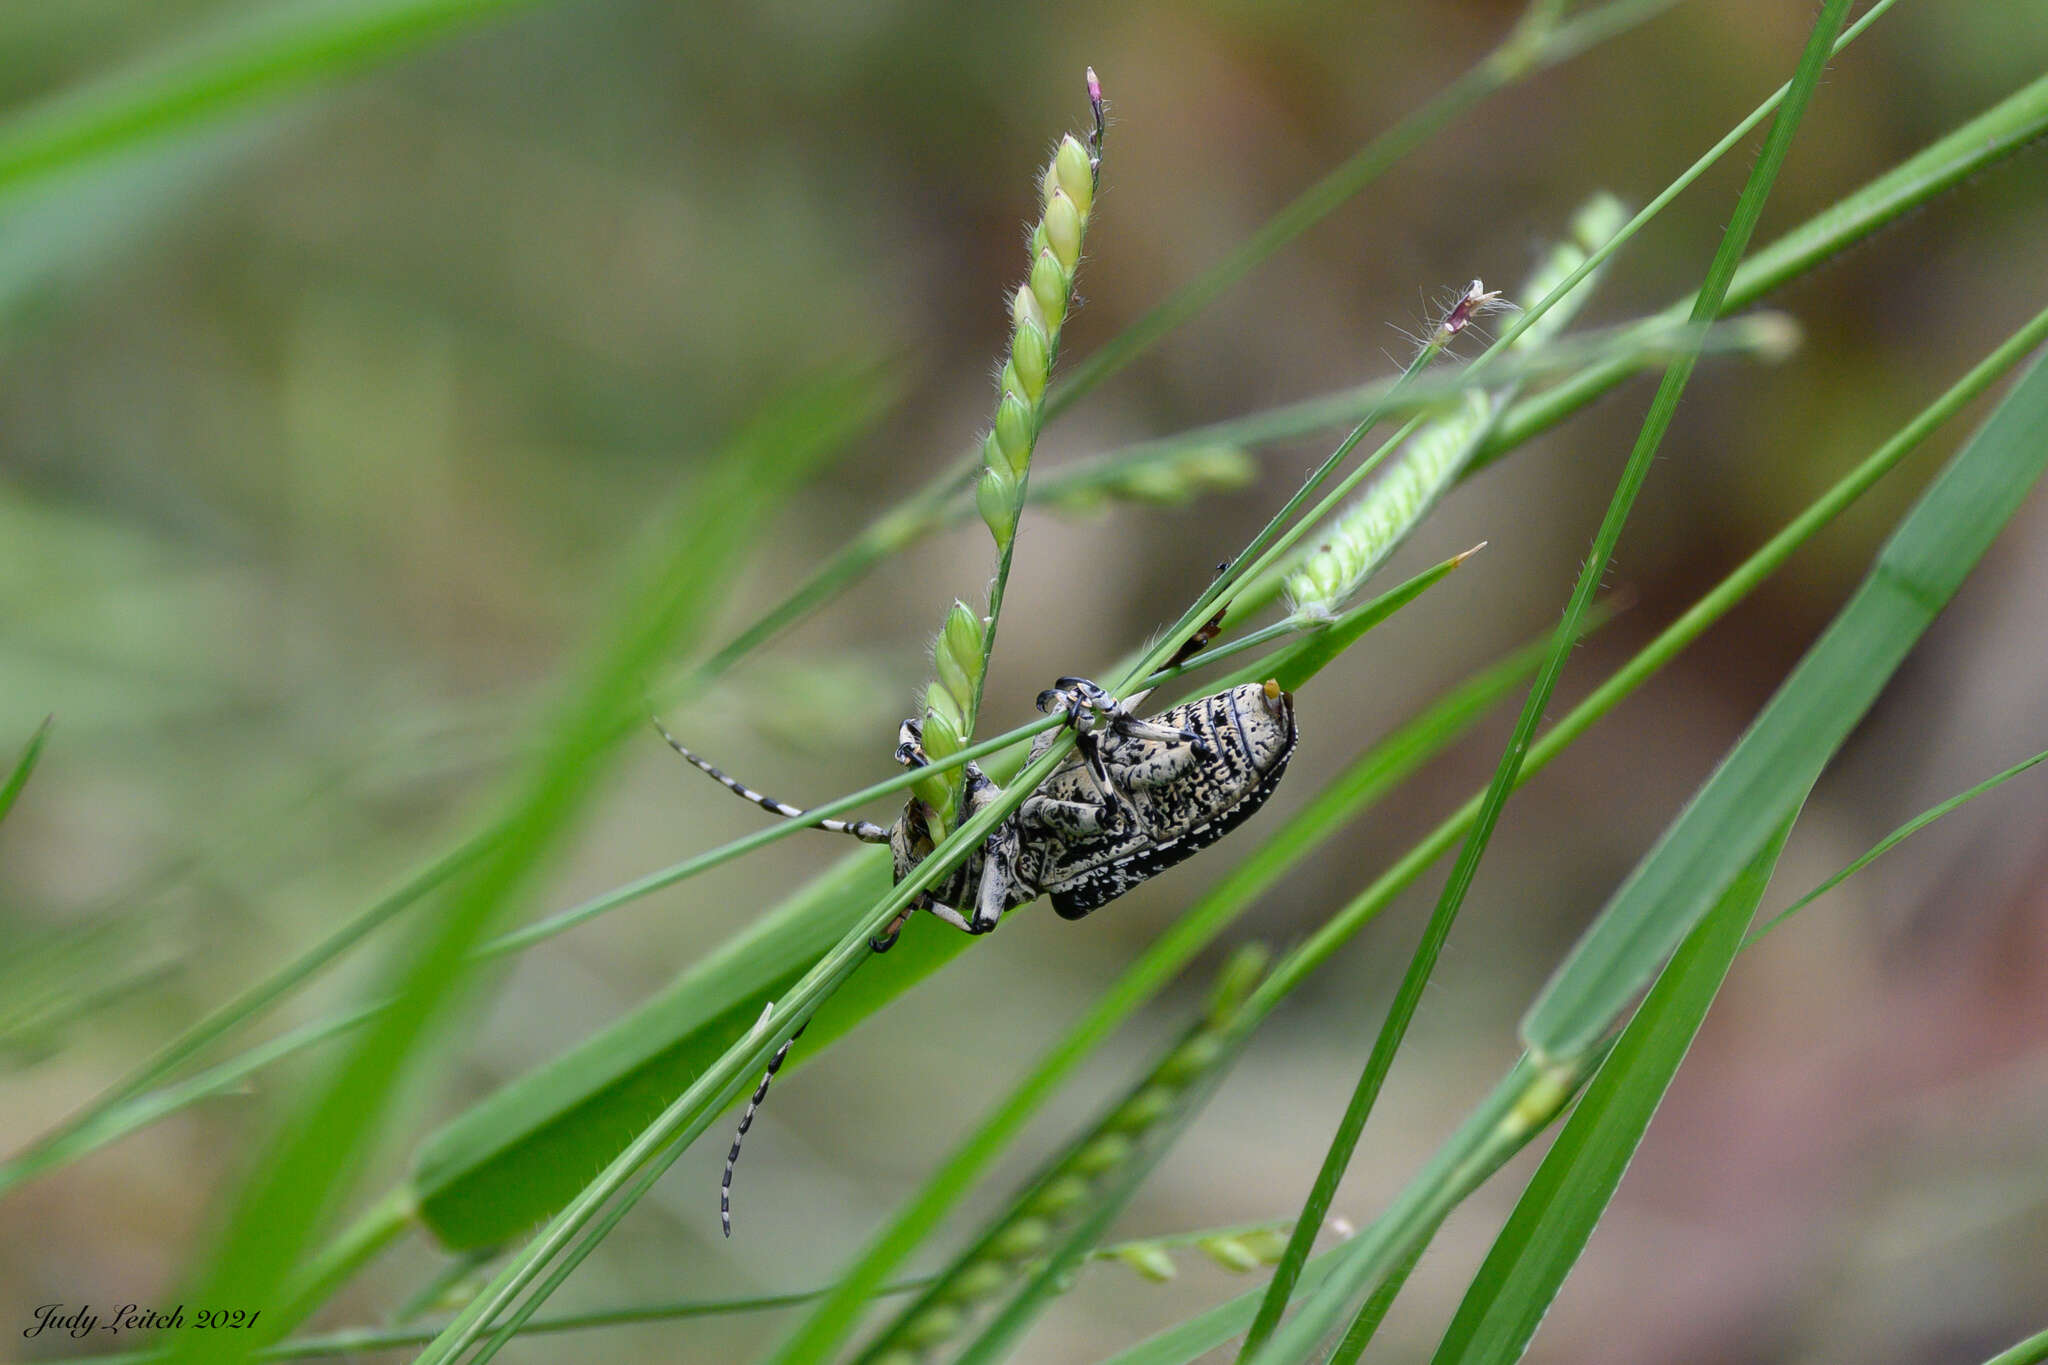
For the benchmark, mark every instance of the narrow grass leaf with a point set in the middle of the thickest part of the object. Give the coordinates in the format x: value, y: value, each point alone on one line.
x: 355, y: 1341
x: 2032, y: 1351
x: 1191, y: 1340
x: 278, y: 50
x: 140, y: 1111
x: 1993, y: 136
x: 31, y: 754
x: 1111, y: 1159
x: 69, y: 1138
x: 1504, y: 1122
x: 1894, y: 839
x: 1366, y: 1325
x: 1537, y: 42
x: 1571, y: 1189
x: 301, y: 1177
x: 1916, y: 573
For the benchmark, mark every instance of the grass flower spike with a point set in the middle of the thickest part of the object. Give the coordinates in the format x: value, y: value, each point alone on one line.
x: 1362, y: 536
x: 1038, y: 307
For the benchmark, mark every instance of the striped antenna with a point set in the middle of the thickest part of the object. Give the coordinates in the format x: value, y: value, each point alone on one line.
x: 864, y: 830
x: 746, y: 1122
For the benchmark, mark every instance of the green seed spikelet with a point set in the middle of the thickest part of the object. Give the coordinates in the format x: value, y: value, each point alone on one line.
x: 1175, y: 476
x: 1363, y: 535
x: 1037, y: 308
x: 949, y: 700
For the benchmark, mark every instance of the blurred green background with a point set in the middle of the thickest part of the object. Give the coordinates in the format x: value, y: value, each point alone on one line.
x: 321, y: 425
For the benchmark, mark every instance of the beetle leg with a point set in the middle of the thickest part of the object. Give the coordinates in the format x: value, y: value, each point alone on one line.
x: 1114, y: 803
x: 886, y: 940
x: 1131, y: 727
x: 994, y: 896
x: 1079, y: 696
x: 1081, y: 699
x: 910, y: 745
x: 955, y: 918
x: 1063, y: 817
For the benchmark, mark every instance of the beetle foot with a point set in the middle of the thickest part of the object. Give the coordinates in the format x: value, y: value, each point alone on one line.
x: 886, y: 940
x: 1081, y: 700
x: 910, y: 744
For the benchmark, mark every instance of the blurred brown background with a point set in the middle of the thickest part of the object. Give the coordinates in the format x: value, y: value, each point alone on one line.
x: 319, y: 430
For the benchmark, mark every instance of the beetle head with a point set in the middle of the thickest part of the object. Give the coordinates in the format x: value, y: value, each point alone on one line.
x: 1265, y: 715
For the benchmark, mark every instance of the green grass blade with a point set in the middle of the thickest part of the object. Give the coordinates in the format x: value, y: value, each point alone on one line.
x: 251, y: 58
x: 1528, y: 49
x: 1894, y: 839
x: 244, y: 1007
x: 1510, y: 1116
x: 999, y: 1339
x: 1191, y: 1340
x: 1571, y: 1189
x: 301, y: 1177
x: 1422, y: 965
x: 140, y: 1111
x: 1095, y: 1177
x: 31, y: 754
x: 2032, y: 1351
x: 522, y: 1152
x: 1645, y: 343
x: 1991, y: 137
x: 355, y: 1341
x: 1366, y: 1324
x: 1916, y: 573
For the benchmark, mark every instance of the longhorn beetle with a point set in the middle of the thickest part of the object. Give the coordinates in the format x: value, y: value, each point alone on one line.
x: 1136, y: 797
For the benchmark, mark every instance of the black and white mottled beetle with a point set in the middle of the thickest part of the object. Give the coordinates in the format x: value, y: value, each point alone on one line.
x: 1134, y: 798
